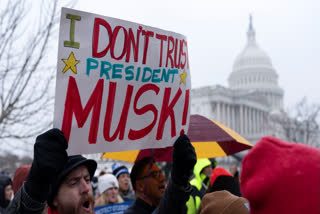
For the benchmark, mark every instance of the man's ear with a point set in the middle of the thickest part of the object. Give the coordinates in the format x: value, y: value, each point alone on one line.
x: 140, y: 185
x: 55, y: 202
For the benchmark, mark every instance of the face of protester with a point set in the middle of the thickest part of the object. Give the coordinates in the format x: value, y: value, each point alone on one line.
x: 8, y: 192
x: 233, y: 169
x: 75, y: 193
x: 207, y: 171
x: 124, y: 182
x: 111, y: 195
x: 151, y: 184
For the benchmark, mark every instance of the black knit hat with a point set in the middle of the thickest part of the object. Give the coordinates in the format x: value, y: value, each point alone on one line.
x: 73, y: 162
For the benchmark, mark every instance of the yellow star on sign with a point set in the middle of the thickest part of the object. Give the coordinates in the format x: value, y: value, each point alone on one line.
x: 183, y: 77
x: 70, y: 63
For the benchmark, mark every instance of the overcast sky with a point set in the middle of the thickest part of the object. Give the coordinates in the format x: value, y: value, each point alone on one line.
x: 287, y: 30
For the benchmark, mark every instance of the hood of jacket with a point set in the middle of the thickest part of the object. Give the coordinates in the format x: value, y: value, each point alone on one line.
x: 199, y: 177
x: 4, y: 181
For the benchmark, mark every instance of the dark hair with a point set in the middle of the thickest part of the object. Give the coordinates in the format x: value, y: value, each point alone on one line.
x: 224, y: 182
x: 138, y: 168
x: 102, y: 172
x: 213, y: 162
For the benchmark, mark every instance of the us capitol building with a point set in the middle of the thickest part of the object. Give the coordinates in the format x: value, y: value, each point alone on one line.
x: 252, y: 96
x: 250, y: 105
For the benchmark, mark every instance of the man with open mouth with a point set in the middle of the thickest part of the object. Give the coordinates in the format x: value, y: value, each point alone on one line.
x: 72, y: 192
x: 152, y: 196
x: 56, y: 179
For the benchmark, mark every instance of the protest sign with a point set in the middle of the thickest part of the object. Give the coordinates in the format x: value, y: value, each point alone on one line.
x: 113, y: 208
x: 120, y: 85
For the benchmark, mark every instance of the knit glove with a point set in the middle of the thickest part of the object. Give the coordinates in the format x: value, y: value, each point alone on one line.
x: 50, y: 156
x: 183, y: 160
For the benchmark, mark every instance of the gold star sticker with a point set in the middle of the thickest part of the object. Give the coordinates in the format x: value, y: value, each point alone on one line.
x: 183, y: 77
x: 70, y: 63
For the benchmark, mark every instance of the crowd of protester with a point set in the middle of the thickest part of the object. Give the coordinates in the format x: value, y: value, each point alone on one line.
x: 276, y: 177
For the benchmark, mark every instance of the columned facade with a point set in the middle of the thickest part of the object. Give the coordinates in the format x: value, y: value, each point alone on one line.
x: 252, y: 95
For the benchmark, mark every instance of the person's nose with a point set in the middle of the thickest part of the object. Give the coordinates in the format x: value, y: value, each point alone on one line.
x: 11, y: 193
x: 161, y: 176
x: 84, y: 186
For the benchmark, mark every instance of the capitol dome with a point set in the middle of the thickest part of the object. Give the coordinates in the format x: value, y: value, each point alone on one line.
x: 253, y: 70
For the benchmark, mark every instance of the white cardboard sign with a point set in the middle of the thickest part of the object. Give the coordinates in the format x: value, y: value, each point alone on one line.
x: 120, y: 85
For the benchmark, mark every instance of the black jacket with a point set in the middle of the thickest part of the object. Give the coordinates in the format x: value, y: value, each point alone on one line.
x: 140, y: 206
x: 173, y: 201
x: 23, y: 203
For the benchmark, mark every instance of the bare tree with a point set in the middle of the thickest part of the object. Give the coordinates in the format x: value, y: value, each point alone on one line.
x: 10, y: 162
x: 301, y: 124
x: 26, y: 69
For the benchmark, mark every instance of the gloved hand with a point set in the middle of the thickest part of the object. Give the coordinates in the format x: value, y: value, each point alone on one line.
x: 183, y: 160
x: 50, y: 156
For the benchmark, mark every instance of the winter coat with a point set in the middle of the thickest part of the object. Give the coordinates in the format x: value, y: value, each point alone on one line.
x: 4, y: 181
x: 101, y: 201
x: 139, y: 206
x: 199, y: 184
x: 128, y: 196
x: 24, y: 204
x: 173, y: 201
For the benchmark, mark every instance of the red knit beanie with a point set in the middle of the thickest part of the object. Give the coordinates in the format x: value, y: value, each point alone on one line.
x: 281, y: 177
x: 19, y: 177
x: 216, y: 172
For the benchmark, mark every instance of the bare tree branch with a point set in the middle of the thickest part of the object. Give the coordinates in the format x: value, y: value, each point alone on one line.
x: 301, y: 124
x: 26, y: 70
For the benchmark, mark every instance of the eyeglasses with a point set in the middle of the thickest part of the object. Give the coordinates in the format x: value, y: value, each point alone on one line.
x: 153, y: 174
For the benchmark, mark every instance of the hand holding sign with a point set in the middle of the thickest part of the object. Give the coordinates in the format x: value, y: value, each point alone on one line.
x: 183, y: 160
x: 120, y: 85
x: 50, y: 157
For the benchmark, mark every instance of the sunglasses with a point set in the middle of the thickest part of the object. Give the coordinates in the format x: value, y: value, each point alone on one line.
x: 152, y: 174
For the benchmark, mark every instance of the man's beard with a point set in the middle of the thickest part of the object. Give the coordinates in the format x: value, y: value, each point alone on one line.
x: 86, y: 201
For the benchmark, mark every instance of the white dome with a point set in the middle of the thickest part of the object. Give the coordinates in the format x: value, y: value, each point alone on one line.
x: 252, y: 55
x: 253, y: 70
